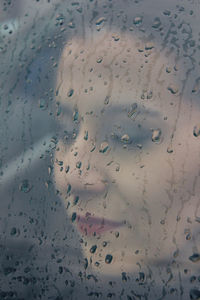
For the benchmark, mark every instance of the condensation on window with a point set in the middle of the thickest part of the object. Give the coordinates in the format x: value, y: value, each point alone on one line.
x: 100, y: 149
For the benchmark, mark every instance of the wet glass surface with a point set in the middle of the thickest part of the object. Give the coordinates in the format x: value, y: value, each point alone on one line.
x: 100, y: 149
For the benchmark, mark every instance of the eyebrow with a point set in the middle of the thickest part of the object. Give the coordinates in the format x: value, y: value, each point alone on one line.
x: 116, y: 109
x: 119, y: 108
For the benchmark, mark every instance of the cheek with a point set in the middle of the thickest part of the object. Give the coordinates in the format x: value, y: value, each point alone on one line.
x: 145, y: 177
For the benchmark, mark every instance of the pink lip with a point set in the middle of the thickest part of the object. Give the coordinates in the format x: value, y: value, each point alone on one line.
x: 89, y: 225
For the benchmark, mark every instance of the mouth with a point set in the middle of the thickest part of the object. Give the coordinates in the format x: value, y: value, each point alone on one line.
x: 92, y: 226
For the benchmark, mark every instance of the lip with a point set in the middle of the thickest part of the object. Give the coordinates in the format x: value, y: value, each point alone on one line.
x: 91, y: 226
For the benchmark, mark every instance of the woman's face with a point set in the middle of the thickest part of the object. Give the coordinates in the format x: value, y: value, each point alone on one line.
x: 127, y: 159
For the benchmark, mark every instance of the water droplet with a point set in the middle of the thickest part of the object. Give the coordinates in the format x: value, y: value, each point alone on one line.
x: 169, y: 149
x: 103, y: 147
x: 48, y: 184
x: 132, y: 110
x: 173, y: 89
x: 78, y: 164
x: 117, y: 234
x: 188, y: 236
x: 149, y: 95
x: 73, y: 216
x: 67, y: 169
x: 192, y: 279
x: 195, y: 257
x: 76, y: 199
x: 124, y: 277
x: 196, y: 130
x: 99, y: 59
x: 59, y: 162
x: 149, y: 46
x: 168, y: 70
x: 42, y: 104
x: 75, y: 115
x: 69, y: 187
x: 117, y: 168
x: 100, y: 20
x: 141, y: 276
x: 107, y: 99
x: 25, y: 186
x: 13, y: 231
x: 167, y: 12
x: 125, y: 138
x: 60, y: 19
x: 197, y: 219
x: 86, y: 263
x: 156, y: 23
x: 196, y: 86
x: 93, y: 148
x: 176, y: 253
x: 71, y: 25
x: 104, y: 244
x: 116, y: 37
x: 108, y: 258
x: 139, y: 146
x: 86, y: 135
x: 137, y: 20
x: 194, y: 294
x: 93, y: 249
x: 58, y: 110
x: 75, y: 3
x: 70, y: 93
x: 79, y: 9
x: 156, y: 135
x: 110, y: 163
x: 50, y: 169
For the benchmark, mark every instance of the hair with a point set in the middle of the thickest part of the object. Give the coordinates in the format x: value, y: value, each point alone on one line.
x: 169, y: 26
x: 171, y: 31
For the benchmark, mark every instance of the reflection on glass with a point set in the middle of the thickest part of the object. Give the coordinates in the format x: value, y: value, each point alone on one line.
x: 100, y: 150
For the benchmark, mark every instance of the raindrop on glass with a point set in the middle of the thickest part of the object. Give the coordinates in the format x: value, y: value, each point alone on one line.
x: 86, y: 136
x: 125, y: 138
x: 195, y: 257
x: 100, y: 21
x: 132, y: 110
x: 108, y: 258
x: 93, y: 249
x: 103, y: 147
x: 173, y: 89
x: 78, y: 164
x: 137, y: 21
x: 25, y: 186
x: 13, y: 231
x: 99, y: 59
x: 156, y: 135
x: 194, y: 294
x: 73, y: 217
x: 196, y: 130
x: 70, y: 93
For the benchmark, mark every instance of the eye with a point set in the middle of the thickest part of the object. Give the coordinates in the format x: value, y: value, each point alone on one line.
x: 131, y: 135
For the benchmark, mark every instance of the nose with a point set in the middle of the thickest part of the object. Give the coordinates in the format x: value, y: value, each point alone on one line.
x: 83, y: 165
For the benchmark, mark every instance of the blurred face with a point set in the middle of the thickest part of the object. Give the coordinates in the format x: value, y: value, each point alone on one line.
x: 126, y: 161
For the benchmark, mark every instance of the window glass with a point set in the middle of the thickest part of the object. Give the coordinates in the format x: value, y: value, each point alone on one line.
x: 100, y: 149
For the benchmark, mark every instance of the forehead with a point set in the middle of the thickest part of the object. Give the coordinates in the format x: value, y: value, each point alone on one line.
x: 112, y: 69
